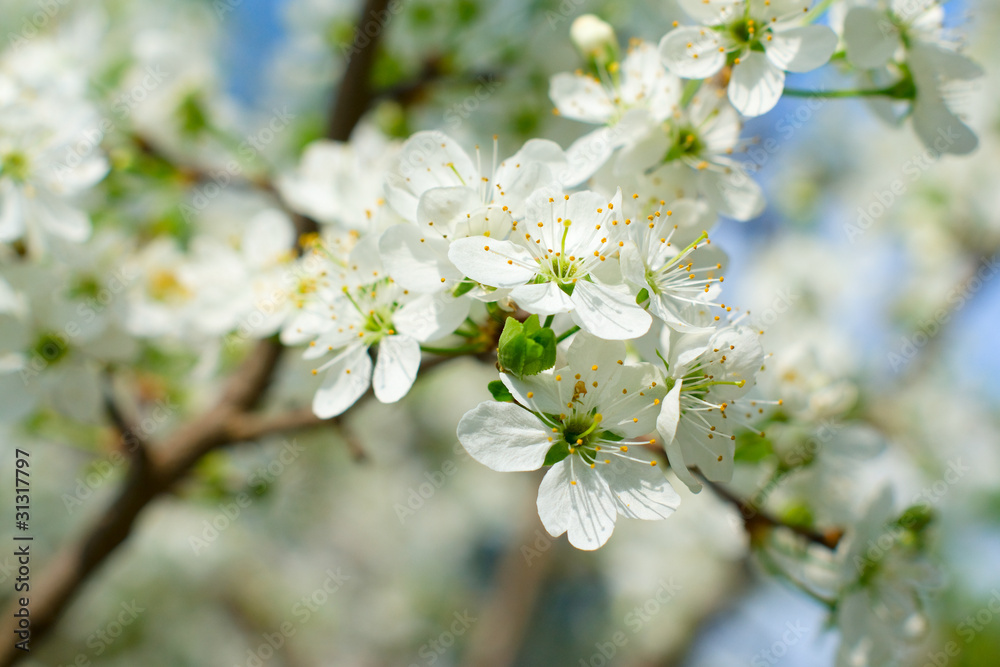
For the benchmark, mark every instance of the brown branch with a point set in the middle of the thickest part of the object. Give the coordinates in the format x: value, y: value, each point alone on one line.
x: 524, y: 567
x: 348, y: 108
x: 168, y: 463
x: 756, y: 519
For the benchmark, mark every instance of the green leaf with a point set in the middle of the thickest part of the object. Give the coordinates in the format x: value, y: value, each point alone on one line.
x: 526, y: 348
x: 500, y: 392
x: 557, y: 453
x: 642, y: 296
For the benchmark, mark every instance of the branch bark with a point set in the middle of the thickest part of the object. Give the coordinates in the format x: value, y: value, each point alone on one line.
x: 755, y: 519
x: 166, y: 464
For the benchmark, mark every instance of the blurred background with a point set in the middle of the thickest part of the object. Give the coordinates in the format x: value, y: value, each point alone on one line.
x: 382, y: 542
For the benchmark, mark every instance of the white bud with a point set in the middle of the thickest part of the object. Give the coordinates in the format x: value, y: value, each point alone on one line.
x: 593, y: 36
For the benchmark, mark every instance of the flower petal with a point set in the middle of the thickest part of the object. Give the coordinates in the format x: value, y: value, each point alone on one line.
x: 801, y: 49
x: 344, y: 383
x: 692, y: 52
x: 734, y: 194
x: 756, y: 85
x: 869, y: 37
x: 431, y: 316
x: 396, y: 367
x: 586, y: 155
x: 574, y: 498
x: 416, y: 260
x: 608, y: 313
x: 581, y: 97
x: 504, y: 437
x: 640, y: 489
x: 491, y: 262
x: 542, y: 299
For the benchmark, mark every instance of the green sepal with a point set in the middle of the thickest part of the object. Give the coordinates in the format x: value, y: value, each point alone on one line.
x: 557, y: 453
x: 500, y: 392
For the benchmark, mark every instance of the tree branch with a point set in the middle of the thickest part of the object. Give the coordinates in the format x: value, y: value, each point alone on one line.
x: 169, y: 462
x: 348, y: 108
x: 755, y: 518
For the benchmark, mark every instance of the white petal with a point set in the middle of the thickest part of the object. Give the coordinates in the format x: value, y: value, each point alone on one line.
x: 870, y: 37
x: 734, y: 194
x: 801, y: 49
x: 586, y: 350
x: 269, y: 235
x: 580, y: 97
x: 59, y: 218
x: 492, y: 262
x: 608, y: 313
x: 442, y: 208
x: 538, y: 164
x: 756, y: 85
x: 711, y: 12
x: 18, y: 386
x: 647, y: 83
x: 692, y: 52
x: 586, y: 155
x: 666, y: 426
x: 344, y: 383
x: 504, y: 437
x: 670, y: 413
x: 396, y: 367
x: 640, y: 489
x: 542, y: 299
x: 417, y: 260
x: 940, y: 129
x: 632, y: 267
x: 585, y: 509
x: 11, y: 212
x: 427, y: 160
x: 431, y: 316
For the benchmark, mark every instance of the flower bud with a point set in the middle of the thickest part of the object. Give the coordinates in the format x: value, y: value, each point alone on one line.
x: 595, y: 38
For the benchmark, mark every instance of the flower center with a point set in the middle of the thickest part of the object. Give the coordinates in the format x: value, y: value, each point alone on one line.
x: 51, y: 347
x: 15, y: 165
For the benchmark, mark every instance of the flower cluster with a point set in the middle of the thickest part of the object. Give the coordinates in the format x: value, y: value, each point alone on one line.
x: 588, y: 270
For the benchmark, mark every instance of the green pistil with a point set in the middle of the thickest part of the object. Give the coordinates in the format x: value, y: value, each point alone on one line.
x: 15, y: 165
x: 51, y: 347
x: 683, y: 253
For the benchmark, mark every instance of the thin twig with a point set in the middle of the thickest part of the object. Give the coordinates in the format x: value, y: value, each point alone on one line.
x: 755, y: 518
